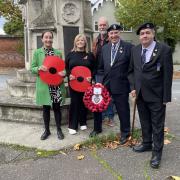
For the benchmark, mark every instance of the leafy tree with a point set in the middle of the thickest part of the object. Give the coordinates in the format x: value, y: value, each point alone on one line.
x: 12, y: 13
x: 165, y: 14
x: 14, y: 27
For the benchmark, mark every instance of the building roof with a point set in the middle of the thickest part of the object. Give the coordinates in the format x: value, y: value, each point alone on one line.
x: 21, y: 1
x: 96, y: 3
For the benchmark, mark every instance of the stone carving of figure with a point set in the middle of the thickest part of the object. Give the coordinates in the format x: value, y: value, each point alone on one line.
x: 71, y: 13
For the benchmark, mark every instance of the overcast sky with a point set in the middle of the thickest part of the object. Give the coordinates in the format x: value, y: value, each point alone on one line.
x: 2, y: 20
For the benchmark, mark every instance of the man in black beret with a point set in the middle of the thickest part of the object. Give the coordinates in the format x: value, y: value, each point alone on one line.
x: 147, y: 25
x: 114, y: 27
x: 114, y: 63
x: 150, y: 76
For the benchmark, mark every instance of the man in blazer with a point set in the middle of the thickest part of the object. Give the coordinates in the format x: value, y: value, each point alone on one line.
x: 114, y: 63
x: 150, y: 76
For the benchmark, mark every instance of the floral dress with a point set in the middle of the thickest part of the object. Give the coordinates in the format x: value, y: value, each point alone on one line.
x: 55, y: 92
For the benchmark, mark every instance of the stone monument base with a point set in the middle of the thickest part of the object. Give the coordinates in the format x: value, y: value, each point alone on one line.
x: 17, y: 102
x: 25, y: 110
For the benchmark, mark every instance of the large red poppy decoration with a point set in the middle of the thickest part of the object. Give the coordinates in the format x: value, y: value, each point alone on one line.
x: 97, y: 98
x: 80, y: 82
x: 54, y: 65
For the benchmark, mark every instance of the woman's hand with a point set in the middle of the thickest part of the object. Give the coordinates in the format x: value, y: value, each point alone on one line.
x: 43, y: 68
x: 62, y: 73
x: 88, y: 79
x: 71, y: 77
x: 133, y: 93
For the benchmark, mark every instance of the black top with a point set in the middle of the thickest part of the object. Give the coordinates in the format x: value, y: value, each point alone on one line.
x: 79, y: 59
x: 99, y: 44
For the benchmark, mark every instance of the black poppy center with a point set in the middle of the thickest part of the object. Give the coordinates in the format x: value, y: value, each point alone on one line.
x: 80, y: 79
x: 52, y: 70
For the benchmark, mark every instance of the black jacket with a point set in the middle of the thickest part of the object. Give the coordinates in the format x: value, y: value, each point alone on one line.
x: 154, y: 79
x: 115, y: 76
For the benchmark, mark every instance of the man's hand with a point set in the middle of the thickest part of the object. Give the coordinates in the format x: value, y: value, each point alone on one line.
x: 133, y: 93
x: 43, y: 68
x: 88, y: 79
x: 71, y: 77
x: 98, y: 84
x: 62, y: 73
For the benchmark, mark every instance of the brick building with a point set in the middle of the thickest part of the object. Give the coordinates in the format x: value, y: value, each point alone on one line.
x: 9, y: 56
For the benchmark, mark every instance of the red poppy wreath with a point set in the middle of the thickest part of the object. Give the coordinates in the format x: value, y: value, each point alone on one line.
x: 97, y: 98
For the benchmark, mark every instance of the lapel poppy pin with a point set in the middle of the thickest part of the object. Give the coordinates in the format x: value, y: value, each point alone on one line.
x: 85, y: 57
x: 121, y: 50
x: 155, y: 52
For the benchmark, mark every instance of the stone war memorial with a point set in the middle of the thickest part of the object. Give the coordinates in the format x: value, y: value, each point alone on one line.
x: 65, y: 18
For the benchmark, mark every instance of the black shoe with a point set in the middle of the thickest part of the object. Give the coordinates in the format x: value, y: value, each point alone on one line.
x: 45, y: 135
x: 142, y: 148
x: 155, y: 162
x: 123, y: 139
x: 94, y: 133
x: 60, y: 134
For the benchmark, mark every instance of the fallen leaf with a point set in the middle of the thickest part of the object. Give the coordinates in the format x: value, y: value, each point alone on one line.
x: 166, y: 141
x: 129, y: 138
x: 39, y: 153
x: 116, y: 142
x: 62, y: 152
x: 80, y: 157
x: 176, y: 177
x: 93, y: 146
x: 173, y: 178
x: 77, y: 147
x: 114, y: 146
x: 166, y: 129
x: 134, y: 142
x: 111, y: 145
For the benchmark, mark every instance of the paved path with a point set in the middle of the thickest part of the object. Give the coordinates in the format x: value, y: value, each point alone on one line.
x: 103, y: 164
x: 99, y: 165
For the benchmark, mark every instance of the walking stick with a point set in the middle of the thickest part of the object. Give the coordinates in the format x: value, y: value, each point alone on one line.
x: 134, y: 115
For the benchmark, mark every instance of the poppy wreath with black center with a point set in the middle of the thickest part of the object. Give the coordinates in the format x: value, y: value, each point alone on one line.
x: 97, y: 107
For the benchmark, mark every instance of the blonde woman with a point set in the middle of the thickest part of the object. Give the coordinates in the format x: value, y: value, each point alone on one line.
x: 79, y: 56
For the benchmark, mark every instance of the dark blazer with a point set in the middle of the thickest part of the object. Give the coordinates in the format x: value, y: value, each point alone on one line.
x: 154, y: 79
x: 115, y: 76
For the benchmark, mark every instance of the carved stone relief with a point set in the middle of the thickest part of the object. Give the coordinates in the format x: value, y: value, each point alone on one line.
x: 71, y: 13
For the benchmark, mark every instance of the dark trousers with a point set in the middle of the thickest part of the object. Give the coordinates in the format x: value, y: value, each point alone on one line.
x: 57, y: 115
x: 152, y: 119
x: 98, y: 121
x: 121, y: 102
x: 98, y: 115
x: 77, y: 111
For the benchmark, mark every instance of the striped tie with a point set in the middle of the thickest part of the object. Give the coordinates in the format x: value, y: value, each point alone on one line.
x: 113, y: 49
x: 143, y: 57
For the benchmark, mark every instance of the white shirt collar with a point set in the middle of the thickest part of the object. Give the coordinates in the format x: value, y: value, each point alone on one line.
x: 151, y: 46
x: 116, y: 43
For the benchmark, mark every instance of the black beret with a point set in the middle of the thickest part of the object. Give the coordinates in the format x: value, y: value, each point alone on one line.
x: 145, y: 26
x: 114, y: 27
